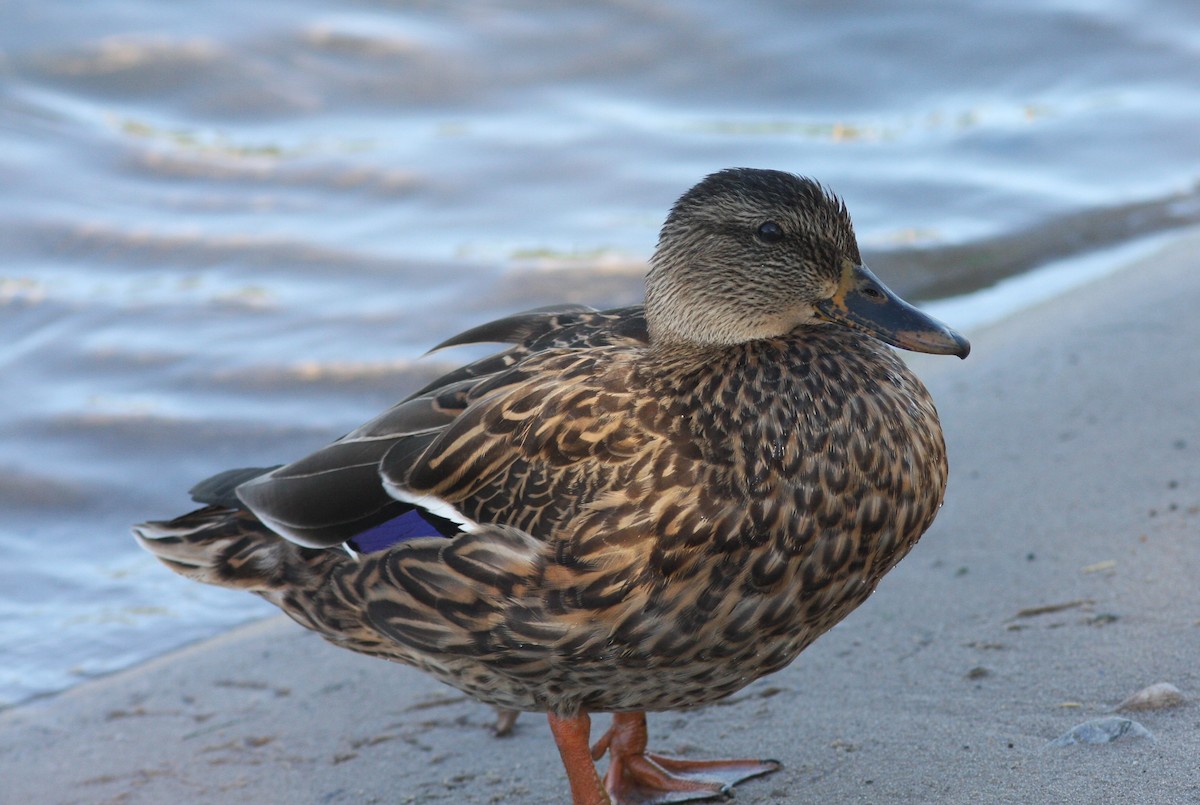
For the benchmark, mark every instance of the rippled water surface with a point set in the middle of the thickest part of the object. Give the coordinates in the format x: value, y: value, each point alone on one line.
x: 229, y: 230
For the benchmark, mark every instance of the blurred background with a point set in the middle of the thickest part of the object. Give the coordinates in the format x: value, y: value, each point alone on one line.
x: 229, y: 230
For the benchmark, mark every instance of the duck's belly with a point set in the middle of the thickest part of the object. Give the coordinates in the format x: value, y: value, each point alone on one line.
x: 662, y: 662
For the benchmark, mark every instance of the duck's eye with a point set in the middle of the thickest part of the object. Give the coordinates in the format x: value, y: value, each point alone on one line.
x: 770, y: 232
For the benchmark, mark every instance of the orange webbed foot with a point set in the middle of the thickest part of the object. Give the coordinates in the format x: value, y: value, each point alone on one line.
x: 638, y: 777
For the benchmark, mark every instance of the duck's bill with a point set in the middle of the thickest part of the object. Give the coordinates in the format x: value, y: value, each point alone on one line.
x: 864, y: 303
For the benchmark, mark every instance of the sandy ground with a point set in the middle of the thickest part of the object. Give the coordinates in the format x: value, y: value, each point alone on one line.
x: 1062, y: 576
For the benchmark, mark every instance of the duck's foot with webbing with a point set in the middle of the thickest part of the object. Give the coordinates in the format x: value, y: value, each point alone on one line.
x: 638, y: 777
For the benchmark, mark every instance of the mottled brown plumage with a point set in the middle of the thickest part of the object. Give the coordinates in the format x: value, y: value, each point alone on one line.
x: 655, y: 508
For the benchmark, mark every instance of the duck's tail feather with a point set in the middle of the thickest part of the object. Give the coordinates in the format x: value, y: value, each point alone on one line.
x: 232, y: 548
x: 431, y: 597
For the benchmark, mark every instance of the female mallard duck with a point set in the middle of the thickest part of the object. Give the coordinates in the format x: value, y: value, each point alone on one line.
x: 629, y: 510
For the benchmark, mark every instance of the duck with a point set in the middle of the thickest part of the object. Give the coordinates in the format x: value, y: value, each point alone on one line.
x: 621, y: 511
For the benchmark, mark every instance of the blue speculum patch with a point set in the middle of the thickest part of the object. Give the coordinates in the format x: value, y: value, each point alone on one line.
x: 413, y: 524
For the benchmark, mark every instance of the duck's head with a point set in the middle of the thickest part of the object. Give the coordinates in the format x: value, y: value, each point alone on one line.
x: 749, y: 254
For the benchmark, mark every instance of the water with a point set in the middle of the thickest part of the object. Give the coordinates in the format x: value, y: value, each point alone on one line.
x: 229, y: 230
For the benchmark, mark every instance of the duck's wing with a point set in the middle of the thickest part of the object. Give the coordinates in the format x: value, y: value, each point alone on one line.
x: 532, y: 444
x: 337, y: 493
x: 539, y: 330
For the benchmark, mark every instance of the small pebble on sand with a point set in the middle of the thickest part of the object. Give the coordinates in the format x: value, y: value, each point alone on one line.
x: 1159, y: 696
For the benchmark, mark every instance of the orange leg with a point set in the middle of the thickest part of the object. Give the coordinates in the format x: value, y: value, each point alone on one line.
x: 572, y: 736
x: 638, y: 777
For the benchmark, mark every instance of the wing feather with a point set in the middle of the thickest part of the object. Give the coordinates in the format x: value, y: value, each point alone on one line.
x: 471, y: 425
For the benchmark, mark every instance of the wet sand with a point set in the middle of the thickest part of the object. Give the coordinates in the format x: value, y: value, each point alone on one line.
x: 1059, y: 579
